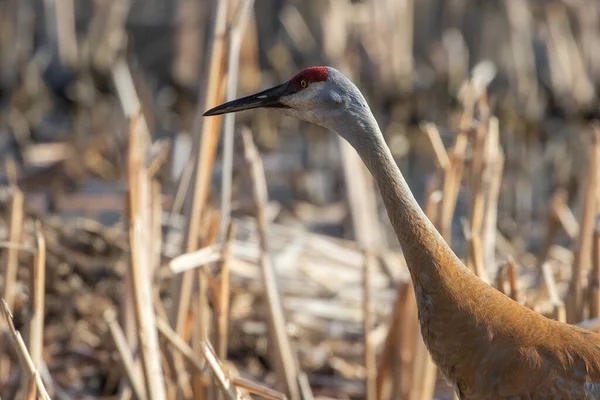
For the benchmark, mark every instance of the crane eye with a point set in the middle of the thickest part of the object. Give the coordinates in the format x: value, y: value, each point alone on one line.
x: 303, y: 83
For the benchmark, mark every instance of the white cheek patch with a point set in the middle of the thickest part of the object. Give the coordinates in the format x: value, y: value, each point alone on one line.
x: 304, y: 99
x: 336, y: 97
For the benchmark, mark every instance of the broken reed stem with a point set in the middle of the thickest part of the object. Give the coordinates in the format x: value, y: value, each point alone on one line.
x: 285, y: 358
x: 564, y: 215
x: 129, y: 366
x: 254, y: 388
x: 139, y: 237
x: 508, y: 271
x: 196, y: 259
x: 441, y: 156
x: 224, y: 295
x: 583, y: 253
x: 235, y: 39
x: 25, y: 360
x: 182, y: 347
x: 369, y: 353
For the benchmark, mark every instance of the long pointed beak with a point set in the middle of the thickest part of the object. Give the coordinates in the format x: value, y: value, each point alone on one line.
x: 266, y: 98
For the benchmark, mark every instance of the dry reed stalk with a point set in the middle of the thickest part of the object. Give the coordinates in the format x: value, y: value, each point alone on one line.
x: 304, y: 386
x: 12, y: 264
x: 475, y: 260
x: 107, y: 35
x: 284, y: 356
x: 129, y: 366
x: 228, y: 389
x: 389, y: 348
x: 25, y: 360
x: 128, y: 96
x: 583, y: 252
x: 369, y: 353
x: 406, y: 351
x: 494, y: 170
x: 441, y: 156
x: 297, y: 28
x: 14, y: 236
x: 362, y: 200
x: 66, y: 35
x: 254, y: 388
x: 565, y: 216
x: 451, y: 186
x: 181, y: 376
x: 160, y: 155
x: 196, y: 259
x: 206, y: 133
x: 508, y: 271
x: 569, y: 77
x: 139, y: 227
x: 475, y: 180
x: 201, y: 311
x: 501, y: 279
x: 453, y: 176
x: 521, y: 46
x: 201, y: 384
x: 433, y: 204
x: 38, y: 285
x: 484, y: 139
x: 130, y: 103
x: 594, y: 282
x: 402, y: 58
x: 552, y: 226
x: 188, y: 41
x: 559, y: 311
x: 235, y: 38
x: 425, y: 371
x: 156, y: 226
x: 513, y: 280
x: 224, y: 295
x: 589, y: 40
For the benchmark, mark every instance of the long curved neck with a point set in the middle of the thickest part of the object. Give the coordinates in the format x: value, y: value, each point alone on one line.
x: 424, y: 248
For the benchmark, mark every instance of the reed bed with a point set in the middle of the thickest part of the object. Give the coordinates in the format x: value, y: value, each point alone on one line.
x: 147, y: 256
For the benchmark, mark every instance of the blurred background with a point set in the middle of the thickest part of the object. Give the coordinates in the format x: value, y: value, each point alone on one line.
x: 489, y: 109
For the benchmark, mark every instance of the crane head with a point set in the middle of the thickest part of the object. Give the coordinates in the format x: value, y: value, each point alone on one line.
x: 315, y: 94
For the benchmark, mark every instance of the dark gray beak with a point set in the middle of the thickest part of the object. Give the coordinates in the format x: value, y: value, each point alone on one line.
x: 267, y: 98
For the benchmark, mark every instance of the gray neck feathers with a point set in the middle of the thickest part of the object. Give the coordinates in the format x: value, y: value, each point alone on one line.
x: 415, y: 232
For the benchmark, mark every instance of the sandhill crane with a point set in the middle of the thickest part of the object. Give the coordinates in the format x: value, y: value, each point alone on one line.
x: 487, y: 345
